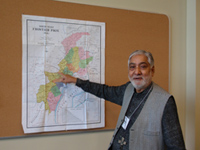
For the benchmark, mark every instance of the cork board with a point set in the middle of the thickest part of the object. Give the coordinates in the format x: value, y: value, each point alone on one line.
x: 126, y: 31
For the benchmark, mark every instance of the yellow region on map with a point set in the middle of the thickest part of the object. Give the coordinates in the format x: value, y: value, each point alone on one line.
x: 51, y: 76
x: 62, y: 65
x: 43, y: 94
x: 75, y: 59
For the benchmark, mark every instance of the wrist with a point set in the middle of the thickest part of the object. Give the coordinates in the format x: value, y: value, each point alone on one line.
x: 74, y: 80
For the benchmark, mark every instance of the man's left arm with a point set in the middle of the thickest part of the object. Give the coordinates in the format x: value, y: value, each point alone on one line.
x: 172, y: 133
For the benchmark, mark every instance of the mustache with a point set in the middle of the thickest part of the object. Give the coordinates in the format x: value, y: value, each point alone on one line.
x: 136, y: 77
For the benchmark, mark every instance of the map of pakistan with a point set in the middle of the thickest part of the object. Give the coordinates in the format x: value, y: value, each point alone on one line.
x: 53, y: 45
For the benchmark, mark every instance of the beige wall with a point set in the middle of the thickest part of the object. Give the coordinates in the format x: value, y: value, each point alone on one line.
x: 182, y: 53
x: 190, y: 73
x: 197, y: 113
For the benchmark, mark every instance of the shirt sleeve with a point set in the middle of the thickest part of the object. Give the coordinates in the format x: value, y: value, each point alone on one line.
x: 172, y: 133
x: 111, y: 93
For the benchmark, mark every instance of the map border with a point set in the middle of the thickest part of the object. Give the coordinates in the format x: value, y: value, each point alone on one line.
x: 25, y: 74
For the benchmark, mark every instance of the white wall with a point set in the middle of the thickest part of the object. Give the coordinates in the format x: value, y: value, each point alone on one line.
x: 177, y: 10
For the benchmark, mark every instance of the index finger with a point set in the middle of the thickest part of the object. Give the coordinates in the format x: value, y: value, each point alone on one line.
x: 58, y: 80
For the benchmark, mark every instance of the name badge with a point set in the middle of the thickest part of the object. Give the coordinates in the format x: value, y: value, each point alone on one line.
x: 125, y: 123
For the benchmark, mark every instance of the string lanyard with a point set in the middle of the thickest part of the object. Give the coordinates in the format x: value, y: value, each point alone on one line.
x: 127, y: 118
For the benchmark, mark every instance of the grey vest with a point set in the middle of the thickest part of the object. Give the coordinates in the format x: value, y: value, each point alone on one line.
x: 146, y: 132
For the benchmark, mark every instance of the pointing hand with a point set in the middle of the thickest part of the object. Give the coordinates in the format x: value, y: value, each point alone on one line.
x: 65, y: 78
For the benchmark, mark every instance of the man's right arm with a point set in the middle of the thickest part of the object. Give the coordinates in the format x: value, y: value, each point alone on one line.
x: 111, y: 93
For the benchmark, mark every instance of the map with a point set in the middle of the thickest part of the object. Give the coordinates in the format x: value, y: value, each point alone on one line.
x: 53, y: 45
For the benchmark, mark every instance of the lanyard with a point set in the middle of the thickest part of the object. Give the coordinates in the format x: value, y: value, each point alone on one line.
x: 127, y: 118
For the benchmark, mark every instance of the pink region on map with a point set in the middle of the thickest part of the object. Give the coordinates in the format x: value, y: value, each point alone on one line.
x: 83, y: 54
x: 82, y: 71
x: 70, y: 41
x: 52, y: 100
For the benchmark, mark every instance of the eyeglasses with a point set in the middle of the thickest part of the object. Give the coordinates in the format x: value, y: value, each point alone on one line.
x: 142, y: 66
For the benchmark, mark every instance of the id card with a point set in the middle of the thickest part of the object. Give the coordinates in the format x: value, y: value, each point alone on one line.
x: 125, y: 123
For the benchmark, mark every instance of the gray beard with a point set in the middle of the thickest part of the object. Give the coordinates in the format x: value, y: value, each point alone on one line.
x: 142, y: 85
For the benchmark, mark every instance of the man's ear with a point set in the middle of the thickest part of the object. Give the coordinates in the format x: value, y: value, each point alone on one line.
x: 153, y: 70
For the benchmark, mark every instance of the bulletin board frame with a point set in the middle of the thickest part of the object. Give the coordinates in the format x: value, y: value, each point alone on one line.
x: 126, y: 31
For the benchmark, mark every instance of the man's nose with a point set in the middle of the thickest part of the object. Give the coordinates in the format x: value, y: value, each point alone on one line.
x: 137, y: 71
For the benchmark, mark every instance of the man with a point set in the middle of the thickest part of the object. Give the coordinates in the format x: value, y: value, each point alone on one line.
x: 148, y: 119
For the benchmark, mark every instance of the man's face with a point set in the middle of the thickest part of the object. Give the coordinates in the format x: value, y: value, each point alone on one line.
x: 140, y: 72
